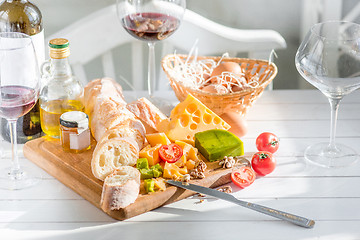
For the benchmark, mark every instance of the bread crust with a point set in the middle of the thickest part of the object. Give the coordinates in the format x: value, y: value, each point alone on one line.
x: 99, y: 88
x: 107, y: 115
x: 120, y: 189
x: 132, y: 129
x: 146, y: 112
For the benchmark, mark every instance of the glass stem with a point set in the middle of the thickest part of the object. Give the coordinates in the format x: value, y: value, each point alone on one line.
x: 334, y: 105
x: 151, y: 69
x: 15, y: 172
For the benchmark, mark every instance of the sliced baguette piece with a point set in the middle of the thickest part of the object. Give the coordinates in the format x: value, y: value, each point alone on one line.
x: 113, y: 153
x: 146, y: 112
x: 132, y: 129
x: 120, y: 189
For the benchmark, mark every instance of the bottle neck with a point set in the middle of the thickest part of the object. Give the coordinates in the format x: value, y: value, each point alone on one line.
x: 61, y: 67
x: 23, y: 1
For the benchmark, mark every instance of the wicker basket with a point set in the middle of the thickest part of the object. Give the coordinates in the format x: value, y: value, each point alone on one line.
x: 239, y: 101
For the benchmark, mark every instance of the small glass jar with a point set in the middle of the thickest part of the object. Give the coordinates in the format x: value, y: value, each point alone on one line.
x: 74, y: 132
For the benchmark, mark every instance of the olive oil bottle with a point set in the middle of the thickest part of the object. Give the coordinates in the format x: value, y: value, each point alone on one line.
x: 25, y: 17
x: 62, y: 91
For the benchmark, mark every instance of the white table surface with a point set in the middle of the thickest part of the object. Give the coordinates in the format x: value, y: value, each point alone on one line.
x: 50, y: 210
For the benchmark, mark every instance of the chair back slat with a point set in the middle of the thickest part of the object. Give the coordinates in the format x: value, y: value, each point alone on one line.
x: 108, y: 65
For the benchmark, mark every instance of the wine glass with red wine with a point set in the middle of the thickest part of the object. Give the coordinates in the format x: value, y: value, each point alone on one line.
x: 151, y: 21
x: 19, y: 91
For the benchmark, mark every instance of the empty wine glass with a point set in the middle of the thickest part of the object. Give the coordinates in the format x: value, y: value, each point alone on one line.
x: 19, y: 88
x: 151, y: 21
x: 329, y: 59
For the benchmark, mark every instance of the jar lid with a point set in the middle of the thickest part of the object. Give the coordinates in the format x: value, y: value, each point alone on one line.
x: 59, y: 48
x: 74, y: 119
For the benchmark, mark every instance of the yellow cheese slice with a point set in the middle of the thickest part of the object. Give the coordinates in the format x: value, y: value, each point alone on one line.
x: 189, y: 117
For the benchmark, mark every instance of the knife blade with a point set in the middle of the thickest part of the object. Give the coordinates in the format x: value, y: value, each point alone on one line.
x: 298, y: 220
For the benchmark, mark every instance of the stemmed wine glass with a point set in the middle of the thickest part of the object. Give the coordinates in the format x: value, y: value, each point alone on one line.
x: 151, y: 21
x: 329, y: 59
x: 19, y: 89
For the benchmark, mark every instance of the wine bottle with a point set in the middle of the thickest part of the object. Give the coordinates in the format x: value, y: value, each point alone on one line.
x: 25, y: 17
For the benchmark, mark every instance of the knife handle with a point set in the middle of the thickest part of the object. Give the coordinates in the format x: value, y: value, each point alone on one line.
x: 301, y: 221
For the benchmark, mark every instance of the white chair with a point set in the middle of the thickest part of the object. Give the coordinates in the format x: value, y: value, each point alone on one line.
x: 97, y: 35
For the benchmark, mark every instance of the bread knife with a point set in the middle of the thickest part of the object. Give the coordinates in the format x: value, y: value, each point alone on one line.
x: 300, y: 221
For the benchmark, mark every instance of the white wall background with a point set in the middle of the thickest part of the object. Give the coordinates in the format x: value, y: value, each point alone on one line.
x: 283, y: 16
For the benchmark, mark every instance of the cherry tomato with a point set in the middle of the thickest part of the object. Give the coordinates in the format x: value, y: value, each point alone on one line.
x: 267, y: 142
x: 263, y: 163
x: 170, y: 153
x: 243, y: 176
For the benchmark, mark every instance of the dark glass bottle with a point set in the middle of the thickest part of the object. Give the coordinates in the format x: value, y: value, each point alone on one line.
x: 25, y: 17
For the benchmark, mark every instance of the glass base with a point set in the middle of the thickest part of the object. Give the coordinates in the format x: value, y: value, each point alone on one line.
x: 321, y: 155
x: 163, y: 104
x: 25, y: 178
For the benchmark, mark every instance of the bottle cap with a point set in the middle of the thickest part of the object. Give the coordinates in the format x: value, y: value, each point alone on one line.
x: 75, y: 119
x: 59, y: 48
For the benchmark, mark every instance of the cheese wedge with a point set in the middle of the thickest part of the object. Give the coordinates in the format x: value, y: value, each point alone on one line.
x: 189, y: 117
x: 157, y: 138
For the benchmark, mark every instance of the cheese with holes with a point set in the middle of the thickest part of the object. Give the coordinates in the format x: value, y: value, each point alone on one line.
x: 189, y: 117
x: 157, y: 138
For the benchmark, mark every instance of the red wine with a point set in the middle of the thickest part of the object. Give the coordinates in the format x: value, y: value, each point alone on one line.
x: 150, y: 26
x: 16, y: 101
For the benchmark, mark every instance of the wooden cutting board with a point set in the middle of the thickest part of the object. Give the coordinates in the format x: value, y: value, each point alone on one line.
x: 74, y: 170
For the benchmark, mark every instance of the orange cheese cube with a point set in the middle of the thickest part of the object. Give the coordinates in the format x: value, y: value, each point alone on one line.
x: 190, y: 164
x: 181, y: 162
x: 157, y: 138
x: 151, y: 154
x: 185, y: 146
x: 172, y: 171
x: 188, y: 150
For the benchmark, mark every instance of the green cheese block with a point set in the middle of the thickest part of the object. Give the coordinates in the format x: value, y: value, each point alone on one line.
x: 216, y: 143
x: 146, y: 173
x: 142, y: 163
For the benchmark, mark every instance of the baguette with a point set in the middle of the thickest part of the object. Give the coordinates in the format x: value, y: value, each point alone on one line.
x: 120, y: 189
x: 98, y: 88
x: 147, y: 112
x: 108, y: 114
